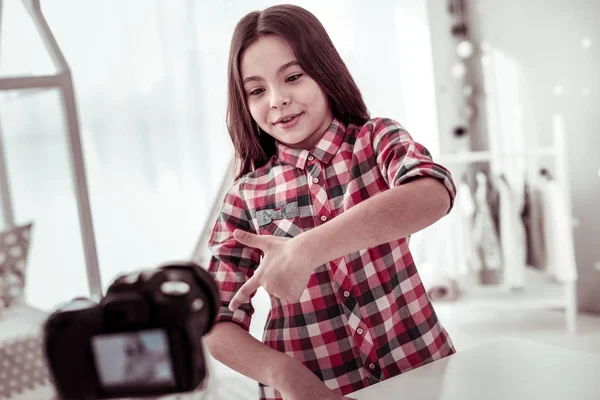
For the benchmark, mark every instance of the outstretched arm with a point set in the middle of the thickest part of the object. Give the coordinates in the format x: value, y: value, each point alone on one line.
x: 390, y: 215
x: 387, y: 216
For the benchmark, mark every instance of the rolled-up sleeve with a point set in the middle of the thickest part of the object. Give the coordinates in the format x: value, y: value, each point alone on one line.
x: 402, y: 160
x: 232, y: 263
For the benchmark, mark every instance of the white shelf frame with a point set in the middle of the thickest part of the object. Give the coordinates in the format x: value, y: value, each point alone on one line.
x: 62, y: 81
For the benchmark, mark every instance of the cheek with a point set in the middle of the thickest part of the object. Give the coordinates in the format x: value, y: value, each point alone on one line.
x: 256, y: 111
x: 323, y: 98
x: 317, y: 97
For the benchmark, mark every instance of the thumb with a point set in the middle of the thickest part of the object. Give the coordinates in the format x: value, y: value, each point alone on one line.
x: 250, y: 239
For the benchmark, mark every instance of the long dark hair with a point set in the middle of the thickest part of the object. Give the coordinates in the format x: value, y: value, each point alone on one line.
x: 316, y: 55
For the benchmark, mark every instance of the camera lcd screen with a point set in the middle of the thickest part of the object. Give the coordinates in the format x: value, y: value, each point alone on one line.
x: 133, y: 359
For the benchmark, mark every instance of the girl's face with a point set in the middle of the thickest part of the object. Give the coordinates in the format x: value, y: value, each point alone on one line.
x: 283, y: 100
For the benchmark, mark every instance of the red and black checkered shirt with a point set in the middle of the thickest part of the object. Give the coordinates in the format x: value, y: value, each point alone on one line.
x: 365, y: 317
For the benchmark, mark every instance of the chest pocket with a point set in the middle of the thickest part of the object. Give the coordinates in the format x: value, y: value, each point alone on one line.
x: 284, y: 221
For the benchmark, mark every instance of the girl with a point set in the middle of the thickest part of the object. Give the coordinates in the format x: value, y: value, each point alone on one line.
x: 327, y: 197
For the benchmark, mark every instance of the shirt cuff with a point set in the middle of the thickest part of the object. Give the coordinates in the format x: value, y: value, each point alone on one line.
x: 432, y: 171
x: 239, y: 316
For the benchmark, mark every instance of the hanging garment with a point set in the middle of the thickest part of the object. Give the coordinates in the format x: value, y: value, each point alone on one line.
x: 443, y: 251
x: 512, y: 236
x: 435, y: 252
x: 488, y: 253
x: 558, y: 233
x: 533, y: 221
x: 465, y: 205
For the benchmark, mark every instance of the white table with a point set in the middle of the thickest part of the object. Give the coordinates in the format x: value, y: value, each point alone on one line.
x: 501, y: 369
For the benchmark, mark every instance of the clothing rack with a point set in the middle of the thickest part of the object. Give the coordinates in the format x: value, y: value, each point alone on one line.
x: 539, y: 293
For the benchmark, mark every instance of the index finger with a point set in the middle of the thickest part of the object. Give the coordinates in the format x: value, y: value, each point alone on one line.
x: 245, y: 292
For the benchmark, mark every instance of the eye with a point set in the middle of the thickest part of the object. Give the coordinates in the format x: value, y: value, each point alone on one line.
x: 256, y: 92
x: 293, y: 78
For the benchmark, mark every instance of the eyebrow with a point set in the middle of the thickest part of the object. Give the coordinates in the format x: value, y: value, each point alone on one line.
x: 281, y: 69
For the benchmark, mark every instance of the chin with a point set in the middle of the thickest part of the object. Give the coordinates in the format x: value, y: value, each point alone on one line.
x: 291, y: 137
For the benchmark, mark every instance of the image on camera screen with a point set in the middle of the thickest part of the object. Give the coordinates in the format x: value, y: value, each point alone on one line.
x: 133, y: 359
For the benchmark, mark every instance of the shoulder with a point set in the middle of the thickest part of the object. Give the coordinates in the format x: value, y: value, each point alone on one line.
x: 383, y: 123
x: 377, y: 126
x: 256, y: 179
x: 380, y: 129
x: 233, y: 200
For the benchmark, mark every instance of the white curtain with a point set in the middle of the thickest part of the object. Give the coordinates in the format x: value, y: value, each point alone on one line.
x: 150, y: 82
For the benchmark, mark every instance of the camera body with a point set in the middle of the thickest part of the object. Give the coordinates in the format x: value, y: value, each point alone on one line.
x: 144, y: 338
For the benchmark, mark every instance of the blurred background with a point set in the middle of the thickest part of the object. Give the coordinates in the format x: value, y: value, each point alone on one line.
x: 503, y: 93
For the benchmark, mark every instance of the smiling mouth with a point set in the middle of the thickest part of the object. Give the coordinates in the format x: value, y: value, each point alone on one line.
x: 287, y: 120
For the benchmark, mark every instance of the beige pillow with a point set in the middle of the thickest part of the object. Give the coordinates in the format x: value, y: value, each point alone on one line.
x: 14, y: 247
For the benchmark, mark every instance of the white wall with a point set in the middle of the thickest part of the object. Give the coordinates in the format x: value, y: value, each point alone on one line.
x: 560, y: 75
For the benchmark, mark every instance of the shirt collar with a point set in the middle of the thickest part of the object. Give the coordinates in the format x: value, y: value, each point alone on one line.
x: 324, y: 151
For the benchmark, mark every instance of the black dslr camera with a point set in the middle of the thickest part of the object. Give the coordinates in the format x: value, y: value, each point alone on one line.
x: 144, y: 338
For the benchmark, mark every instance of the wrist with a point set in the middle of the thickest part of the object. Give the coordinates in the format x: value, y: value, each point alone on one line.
x: 295, y: 379
x: 311, y: 247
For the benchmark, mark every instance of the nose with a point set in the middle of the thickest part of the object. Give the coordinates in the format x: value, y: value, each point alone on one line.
x: 279, y: 99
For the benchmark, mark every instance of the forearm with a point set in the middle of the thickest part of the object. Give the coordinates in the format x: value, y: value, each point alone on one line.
x: 233, y: 346
x: 390, y: 215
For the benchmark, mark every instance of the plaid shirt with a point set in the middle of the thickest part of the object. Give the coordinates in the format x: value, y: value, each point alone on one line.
x: 365, y: 316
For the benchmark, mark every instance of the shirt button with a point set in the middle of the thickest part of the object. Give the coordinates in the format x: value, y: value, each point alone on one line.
x: 310, y: 158
x: 360, y: 332
x: 315, y: 180
x: 323, y: 218
x: 371, y: 366
x: 346, y: 294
